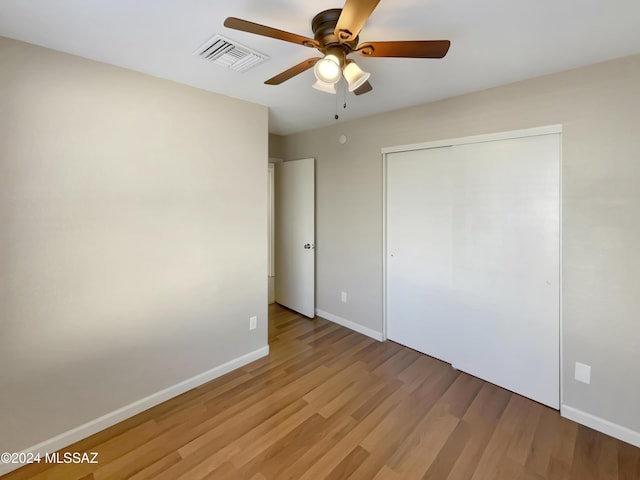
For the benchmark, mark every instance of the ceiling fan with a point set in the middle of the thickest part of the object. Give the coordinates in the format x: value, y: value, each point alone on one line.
x: 336, y: 35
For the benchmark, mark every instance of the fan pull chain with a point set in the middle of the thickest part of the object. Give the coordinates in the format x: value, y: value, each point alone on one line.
x: 344, y: 99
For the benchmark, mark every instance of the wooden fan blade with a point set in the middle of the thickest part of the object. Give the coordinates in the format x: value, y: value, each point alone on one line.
x: 406, y: 49
x: 246, y: 26
x: 364, y: 88
x: 292, y: 72
x: 355, y: 14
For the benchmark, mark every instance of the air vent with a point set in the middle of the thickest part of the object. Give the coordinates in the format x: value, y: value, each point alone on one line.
x: 230, y: 54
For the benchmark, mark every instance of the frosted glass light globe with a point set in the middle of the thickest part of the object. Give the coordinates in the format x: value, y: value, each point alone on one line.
x: 327, y: 70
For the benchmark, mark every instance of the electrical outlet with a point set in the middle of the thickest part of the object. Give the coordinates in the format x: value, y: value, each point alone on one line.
x: 253, y: 323
x: 343, y: 297
x: 583, y: 373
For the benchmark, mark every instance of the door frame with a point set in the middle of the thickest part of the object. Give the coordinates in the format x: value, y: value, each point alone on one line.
x: 490, y: 137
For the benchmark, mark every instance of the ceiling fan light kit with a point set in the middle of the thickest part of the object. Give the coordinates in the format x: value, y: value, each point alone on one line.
x: 329, y: 70
x: 324, y: 87
x: 355, y: 76
x: 336, y: 35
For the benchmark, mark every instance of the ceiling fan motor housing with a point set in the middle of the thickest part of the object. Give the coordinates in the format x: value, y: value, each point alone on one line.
x: 323, y: 26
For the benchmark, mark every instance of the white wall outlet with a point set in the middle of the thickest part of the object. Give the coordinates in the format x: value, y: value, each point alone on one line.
x: 343, y: 297
x: 253, y: 323
x: 583, y: 373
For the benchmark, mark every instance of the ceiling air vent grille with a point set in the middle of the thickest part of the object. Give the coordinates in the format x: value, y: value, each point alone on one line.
x: 230, y: 54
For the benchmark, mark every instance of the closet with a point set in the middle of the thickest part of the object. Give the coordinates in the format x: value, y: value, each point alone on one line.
x: 472, y: 256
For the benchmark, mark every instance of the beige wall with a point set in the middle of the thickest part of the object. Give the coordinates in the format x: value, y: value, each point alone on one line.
x: 276, y: 145
x: 599, y: 108
x: 132, y: 237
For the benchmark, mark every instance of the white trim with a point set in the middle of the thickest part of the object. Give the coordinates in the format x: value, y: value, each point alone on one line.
x: 560, y: 276
x: 356, y: 327
x: 271, y: 209
x: 600, y: 424
x: 488, y: 137
x: 384, y: 246
x: 94, y: 426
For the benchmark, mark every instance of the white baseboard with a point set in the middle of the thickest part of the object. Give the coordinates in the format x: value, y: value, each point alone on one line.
x: 600, y: 424
x: 94, y: 426
x: 356, y: 327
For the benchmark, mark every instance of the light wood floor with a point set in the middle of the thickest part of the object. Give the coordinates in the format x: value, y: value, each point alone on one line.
x: 330, y: 403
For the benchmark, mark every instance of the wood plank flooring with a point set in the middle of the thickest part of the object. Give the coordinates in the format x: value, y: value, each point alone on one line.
x: 329, y: 403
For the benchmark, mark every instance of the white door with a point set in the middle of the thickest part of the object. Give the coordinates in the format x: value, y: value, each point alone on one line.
x: 473, y: 259
x: 419, y: 246
x: 295, y: 235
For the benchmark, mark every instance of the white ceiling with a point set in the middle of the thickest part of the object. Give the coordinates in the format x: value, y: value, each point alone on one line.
x: 493, y: 42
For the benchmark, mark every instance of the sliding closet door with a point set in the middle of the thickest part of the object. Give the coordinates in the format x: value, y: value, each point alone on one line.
x: 473, y: 259
x: 420, y: 296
